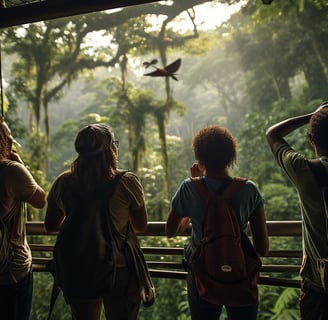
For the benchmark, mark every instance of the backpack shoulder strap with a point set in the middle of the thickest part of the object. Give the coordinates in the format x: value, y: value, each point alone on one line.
x: 202, y: 189
x: 228, y: 188
x: 106, y: 220
x: 233, y: 187
x: 109, y: 192
x: 199, y: 184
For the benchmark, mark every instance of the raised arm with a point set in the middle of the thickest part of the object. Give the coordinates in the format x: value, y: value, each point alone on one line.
x: 276, y: 133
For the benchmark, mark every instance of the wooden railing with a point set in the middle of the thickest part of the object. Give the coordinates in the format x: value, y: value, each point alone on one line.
x: 164, y: 262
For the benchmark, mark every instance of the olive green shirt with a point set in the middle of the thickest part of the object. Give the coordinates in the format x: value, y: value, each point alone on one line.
x: 315, y: 245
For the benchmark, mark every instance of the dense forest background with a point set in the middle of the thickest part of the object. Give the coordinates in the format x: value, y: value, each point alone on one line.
x: 247, y: 71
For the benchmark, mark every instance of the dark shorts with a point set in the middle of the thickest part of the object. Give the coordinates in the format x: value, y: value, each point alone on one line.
x: 16, y: 299
x: 201, y: 309
x: 313, y: 305
x: 122, y: 304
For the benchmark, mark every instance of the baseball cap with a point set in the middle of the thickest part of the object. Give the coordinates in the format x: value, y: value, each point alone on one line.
x: 94, y: 139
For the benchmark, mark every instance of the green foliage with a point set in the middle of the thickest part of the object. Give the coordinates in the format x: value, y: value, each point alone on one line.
x: 181, y: 159
x: 15, y: 123
x: 201, y: 45
x: 267, y: 297
x: 247, y: 75
x: 171, y: 294
x: 286, y: 306
x: 254, y: 159
x: 40, y: 307
x: 281, y: 203
x: 153, y: 186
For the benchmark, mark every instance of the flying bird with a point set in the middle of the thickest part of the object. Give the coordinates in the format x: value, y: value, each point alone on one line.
x: 151, y: 63
x: 168, y: 71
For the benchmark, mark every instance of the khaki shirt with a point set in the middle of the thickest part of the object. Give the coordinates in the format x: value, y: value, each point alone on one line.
x: 128, y: 195
x: 16, y: 187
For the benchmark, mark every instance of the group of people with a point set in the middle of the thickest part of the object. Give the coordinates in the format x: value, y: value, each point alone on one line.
x: 215, y: 151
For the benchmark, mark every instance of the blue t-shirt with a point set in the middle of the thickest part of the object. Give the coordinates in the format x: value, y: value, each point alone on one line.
x: 187, y: 202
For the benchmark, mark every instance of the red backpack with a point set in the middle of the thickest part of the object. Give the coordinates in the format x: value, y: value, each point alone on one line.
x: 225, y: 265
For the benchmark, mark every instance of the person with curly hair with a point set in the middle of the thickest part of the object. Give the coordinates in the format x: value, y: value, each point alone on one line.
x: 313, y: 297
x: 215, y: 151
x: 17, y: 187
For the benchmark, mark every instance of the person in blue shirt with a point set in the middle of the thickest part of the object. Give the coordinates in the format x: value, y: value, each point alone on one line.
x: 215, y: 151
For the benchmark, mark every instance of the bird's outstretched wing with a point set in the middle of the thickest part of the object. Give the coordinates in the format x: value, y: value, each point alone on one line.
x: 157, y: 73
x: 168, y: 71
x: 173, y: 67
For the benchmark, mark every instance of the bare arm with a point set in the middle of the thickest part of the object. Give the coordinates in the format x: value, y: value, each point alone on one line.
x: 276, y: 133
x: 260, y: 232
x: 38, y: 200
x: 54, y: 218
x: 176, y: 225
x: 139, y: 219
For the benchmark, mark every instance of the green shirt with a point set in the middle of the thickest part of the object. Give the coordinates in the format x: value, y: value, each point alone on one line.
x: 314, y: 231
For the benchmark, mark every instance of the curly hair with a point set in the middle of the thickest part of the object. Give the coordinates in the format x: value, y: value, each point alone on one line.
x: 215, y: 147
x: 319, y: 128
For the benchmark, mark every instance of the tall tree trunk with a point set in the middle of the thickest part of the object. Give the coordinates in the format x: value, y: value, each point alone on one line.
x: 162, y: 136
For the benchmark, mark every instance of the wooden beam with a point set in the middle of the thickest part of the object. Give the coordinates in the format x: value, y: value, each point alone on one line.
x: 157, y: 228
x: 52, y: 9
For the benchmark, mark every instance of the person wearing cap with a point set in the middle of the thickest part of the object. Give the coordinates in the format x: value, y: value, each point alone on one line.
x: 17, y: 186
x: 95, y: 165
x: 296, y: 165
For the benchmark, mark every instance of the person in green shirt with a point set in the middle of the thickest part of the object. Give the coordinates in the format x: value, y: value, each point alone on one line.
x: 313, y: 297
